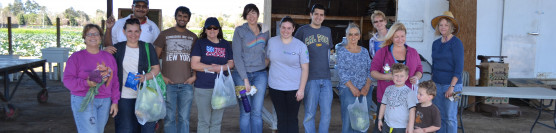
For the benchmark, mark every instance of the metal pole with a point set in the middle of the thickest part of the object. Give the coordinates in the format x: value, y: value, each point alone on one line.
x: 10, y: 49
x: 58, y: 32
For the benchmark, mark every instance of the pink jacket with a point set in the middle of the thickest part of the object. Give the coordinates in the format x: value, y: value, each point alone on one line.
x: 383, y: 56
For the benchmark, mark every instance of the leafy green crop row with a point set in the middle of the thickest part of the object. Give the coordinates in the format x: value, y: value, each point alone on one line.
x: 29, y: 42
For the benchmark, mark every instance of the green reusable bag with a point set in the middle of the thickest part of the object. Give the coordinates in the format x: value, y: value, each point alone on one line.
x: 159, y: 79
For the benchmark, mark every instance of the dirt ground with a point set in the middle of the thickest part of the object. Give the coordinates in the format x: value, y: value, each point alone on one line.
x: 55, y: 116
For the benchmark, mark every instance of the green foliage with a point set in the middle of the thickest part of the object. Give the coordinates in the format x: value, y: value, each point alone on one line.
x: 29, y: 42
x: 31, y: 7
x: 31, y: 18
x: 16, y: 8
x: 75, y: 16
x: 202, y: 23
x: 73, y: 22
x: 47, y: 20
x: 21, y: 19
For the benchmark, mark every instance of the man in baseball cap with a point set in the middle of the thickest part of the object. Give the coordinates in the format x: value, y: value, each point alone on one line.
x: 149, y: 29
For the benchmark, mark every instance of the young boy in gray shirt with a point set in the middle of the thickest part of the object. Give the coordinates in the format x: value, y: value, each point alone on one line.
x: 398, y: 104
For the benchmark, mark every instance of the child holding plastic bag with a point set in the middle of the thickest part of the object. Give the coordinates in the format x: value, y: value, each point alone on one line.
x: 353, y: 68
x: 398, y: 104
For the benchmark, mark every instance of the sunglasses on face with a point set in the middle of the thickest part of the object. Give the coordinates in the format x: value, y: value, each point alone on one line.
x: 378, y: 21
x: 212, y: 28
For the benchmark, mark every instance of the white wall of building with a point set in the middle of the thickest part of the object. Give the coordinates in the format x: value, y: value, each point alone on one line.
x: 504, y: 28
x: 489, y: 29
x: 417, y: 16
x: 546, y: 61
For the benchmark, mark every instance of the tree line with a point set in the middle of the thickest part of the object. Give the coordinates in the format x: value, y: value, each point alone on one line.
x: 32, y: 13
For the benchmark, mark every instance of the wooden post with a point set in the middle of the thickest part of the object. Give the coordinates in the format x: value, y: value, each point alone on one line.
x: 102, y: 22
x: 10, y: 43
x: 108, y: 8
x: 58, y: 32
x: 465, y: 12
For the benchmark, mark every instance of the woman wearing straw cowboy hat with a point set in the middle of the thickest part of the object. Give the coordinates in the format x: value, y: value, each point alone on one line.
x: 447, y: 58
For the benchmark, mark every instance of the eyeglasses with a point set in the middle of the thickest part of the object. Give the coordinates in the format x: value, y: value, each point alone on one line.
x: 212, y: 28
x: 141, y: 6
x: 92, y: 34
x: 382, y: 20
x: 353, y: 34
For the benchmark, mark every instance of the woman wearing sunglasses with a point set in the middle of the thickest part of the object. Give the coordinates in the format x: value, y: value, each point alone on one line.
x: 209, y: 54
x: 378, y: 20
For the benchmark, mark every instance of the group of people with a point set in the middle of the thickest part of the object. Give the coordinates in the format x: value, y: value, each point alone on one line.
x: 298, y: 69
x: 404, y: 104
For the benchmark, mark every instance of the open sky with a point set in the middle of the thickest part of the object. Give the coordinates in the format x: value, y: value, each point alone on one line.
x: 168, y: 7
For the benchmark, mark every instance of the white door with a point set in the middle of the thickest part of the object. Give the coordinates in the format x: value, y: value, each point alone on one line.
x: 546, y: 43
x: 520, y: 33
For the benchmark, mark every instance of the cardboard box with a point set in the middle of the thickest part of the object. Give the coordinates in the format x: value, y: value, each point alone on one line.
x: 494, y: 74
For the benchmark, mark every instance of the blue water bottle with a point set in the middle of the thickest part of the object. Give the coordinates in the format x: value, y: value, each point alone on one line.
x: 245, y: 101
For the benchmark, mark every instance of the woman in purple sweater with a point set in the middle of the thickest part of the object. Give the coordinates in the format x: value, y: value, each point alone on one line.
x: 394, y: 50
x: 76, y: 79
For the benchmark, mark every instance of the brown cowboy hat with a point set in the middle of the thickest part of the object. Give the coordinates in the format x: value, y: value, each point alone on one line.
x: 448, y: 15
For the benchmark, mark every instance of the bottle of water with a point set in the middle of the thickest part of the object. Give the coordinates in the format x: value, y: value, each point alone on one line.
x: 245, y: 101
x: 386, y: 68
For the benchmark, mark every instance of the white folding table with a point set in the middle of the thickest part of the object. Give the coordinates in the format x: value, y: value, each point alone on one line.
x: 513, y: 92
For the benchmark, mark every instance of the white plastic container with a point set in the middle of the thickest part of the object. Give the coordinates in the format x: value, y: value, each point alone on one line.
x: 58, y: 56
x: 54, y: 54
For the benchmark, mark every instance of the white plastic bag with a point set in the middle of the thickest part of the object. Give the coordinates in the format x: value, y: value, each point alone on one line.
x: 415, y: 88
x: 150, y: 104
x: 223, y: 94
x: 359, y: 115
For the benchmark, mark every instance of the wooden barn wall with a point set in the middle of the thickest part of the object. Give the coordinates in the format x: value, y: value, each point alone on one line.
x: 465, y: 12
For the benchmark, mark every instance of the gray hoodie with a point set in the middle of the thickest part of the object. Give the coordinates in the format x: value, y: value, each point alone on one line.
x: 249, y: 50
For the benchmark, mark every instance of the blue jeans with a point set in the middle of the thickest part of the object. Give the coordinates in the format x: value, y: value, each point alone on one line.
x: 178, y: 100
x: 317, y: 93
x: 375, y: 128
x: 252, y: 122
x: 126, y: 121
x: 448, y: 109
x: 94, y: 118
x: 347, y: 98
